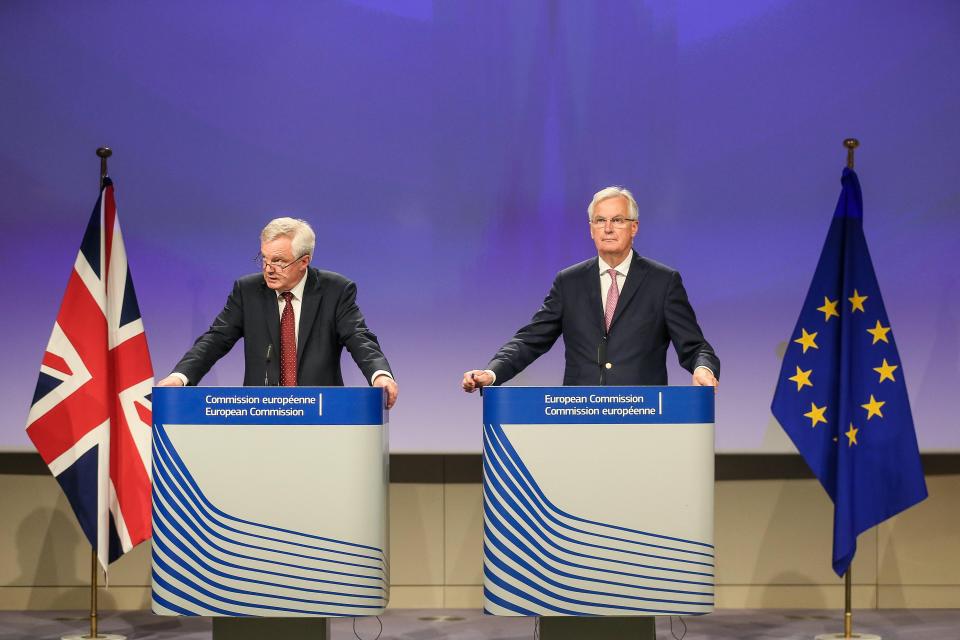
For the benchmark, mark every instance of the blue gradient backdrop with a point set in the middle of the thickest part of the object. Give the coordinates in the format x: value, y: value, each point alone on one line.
x: 446, y: 151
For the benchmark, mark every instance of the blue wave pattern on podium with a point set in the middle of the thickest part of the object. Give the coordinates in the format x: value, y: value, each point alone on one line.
x: 209, y: 563
x: 541, y: 560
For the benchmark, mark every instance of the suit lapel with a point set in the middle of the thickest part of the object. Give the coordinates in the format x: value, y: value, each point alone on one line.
x: 271, y: 312
x: 308, y: 310
x: 594, y: 301
x: 630, y: 286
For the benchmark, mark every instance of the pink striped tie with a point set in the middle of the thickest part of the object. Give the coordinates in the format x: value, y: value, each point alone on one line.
x: 613, y: 295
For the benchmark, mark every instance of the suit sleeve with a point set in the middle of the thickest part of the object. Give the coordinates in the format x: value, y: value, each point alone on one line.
x: 533, y: 340
x: 692, y: 348
x: 226, y: 329
x: 353, y: 333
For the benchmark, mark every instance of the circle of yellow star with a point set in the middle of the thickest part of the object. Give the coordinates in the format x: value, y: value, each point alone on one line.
x: 873, y: 407
x: 829, y: 308
x: 816, y: 414
x: 856, y: 302
x: 851, y: 435
x: 807, y: 340
x: 879, y: 333
x: 802, y: 378
x: 886, y: 371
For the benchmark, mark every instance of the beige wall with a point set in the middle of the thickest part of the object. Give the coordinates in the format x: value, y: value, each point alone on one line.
x: 773, y: 541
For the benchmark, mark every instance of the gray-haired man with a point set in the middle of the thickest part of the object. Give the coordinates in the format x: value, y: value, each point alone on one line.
x: 294, y: 319
x: 617, y: 313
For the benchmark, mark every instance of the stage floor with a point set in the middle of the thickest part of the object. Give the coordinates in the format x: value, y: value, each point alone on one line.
x: 470, y: 624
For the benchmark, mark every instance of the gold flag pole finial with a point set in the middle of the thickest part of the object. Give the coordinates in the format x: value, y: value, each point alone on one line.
x: 103, y: 153
x: 851, y: 144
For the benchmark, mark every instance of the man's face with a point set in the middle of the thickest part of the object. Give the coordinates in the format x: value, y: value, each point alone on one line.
x: 610, y: 239
x: 279, y: 253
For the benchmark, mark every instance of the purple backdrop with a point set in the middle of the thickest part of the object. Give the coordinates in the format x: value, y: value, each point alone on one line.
x: 446, y: 151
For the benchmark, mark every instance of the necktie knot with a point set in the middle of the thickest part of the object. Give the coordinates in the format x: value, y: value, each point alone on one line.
x: 613, y: 274
x: 287, y: 296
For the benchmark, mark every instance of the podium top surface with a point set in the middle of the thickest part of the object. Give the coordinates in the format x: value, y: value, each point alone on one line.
x: 598, y: 405
x: 269, y: 405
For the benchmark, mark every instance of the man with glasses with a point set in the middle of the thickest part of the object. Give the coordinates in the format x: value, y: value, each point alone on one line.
x: 617, y: 314
x: 294, y: 321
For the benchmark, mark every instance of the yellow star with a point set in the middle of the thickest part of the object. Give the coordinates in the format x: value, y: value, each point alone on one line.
x: 873, y: 407
x: 879, y: 333
x: 807, y: 340
x: 851, y: 435
x: 802, y: 378
x: 856, y: 302
x: 886, y: 371
x: 816, y: 414
x: 829, y: 308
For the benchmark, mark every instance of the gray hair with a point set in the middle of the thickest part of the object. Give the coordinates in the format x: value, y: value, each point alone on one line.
x: 299, y: 231
x: 613, y: 192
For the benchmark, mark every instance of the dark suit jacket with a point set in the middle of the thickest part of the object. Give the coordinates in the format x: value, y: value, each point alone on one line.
x: 653, y: 311
x: 329, y: 321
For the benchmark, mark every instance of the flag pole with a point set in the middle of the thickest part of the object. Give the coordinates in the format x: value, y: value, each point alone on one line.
x: 851, y: 145
x: 847, y: 605
x: 103, y: 153
x: 93, y: 594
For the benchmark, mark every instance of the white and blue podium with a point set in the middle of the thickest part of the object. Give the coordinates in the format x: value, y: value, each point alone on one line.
x: 598, y: 501
x: 269, y: 502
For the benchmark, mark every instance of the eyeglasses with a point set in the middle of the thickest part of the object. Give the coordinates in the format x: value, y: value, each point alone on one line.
x: 273, y: 264
x: 617, y: 222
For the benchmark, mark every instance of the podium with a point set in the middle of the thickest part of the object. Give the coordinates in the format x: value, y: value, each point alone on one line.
x: 269, y: 503
x: 598, y: 502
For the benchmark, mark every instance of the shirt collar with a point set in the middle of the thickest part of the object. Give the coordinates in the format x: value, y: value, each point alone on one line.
x: 298, y: 288
x: 622, y: 268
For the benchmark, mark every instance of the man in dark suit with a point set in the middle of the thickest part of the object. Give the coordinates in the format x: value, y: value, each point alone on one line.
x: 294, y: 320
x: 617, y: 314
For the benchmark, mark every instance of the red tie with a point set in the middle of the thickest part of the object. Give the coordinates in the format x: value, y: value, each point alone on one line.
x: 613, y: 295
x: 288, y: 343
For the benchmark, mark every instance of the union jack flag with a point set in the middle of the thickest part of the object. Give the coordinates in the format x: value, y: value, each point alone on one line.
x: 92, y: 412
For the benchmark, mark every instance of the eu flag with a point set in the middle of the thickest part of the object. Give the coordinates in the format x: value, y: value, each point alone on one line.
x: 841, y: 395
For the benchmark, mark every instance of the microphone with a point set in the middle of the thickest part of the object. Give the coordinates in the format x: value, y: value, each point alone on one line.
x: 602, y: 359
x: 266, y: 370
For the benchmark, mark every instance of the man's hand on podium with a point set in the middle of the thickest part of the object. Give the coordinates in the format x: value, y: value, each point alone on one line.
x: 473, y: 380
x: 703, y: 377
x: 170, y: 381
x: 390, y: 389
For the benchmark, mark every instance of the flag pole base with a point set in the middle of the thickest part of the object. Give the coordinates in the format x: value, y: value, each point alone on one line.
x: 842, y: 636
x: 99, y: 636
